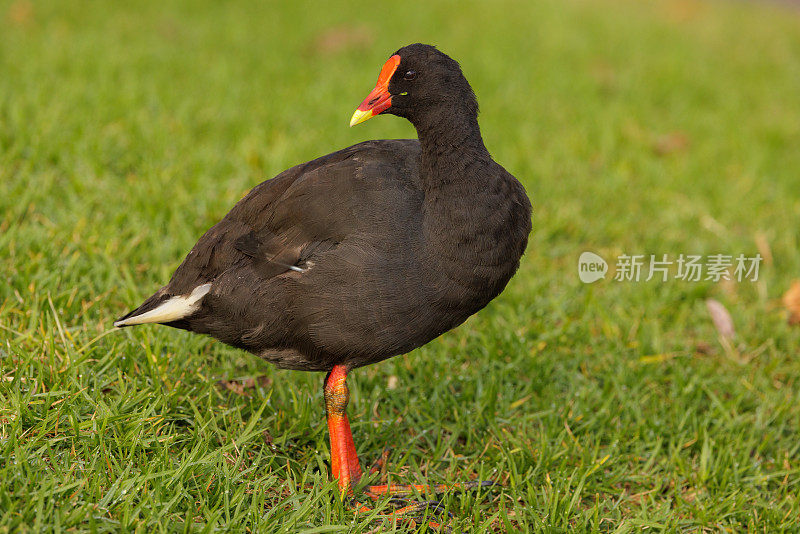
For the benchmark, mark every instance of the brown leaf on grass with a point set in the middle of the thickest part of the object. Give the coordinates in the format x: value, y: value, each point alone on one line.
x: 391, y: 383
x: 679, y: 11
x: 233, y: 386
x: 763, y: 248
x: 20, y: 12
x: 604, y: 75
x: 729, y: 286
x: 670, y: 143
x: 341, y: 38
x: 701, y: 347
x: 260, y: 381
x: 690, y: 494
x: 791, y: 299
x: 721, y: 318
x: 241, y: 388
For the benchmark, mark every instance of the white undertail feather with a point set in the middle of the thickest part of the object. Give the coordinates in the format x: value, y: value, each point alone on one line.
x: 170, y: 310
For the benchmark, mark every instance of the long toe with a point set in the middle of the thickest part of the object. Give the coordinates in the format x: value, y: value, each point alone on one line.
x: 419, y: 507
x: 430, y: 513
x: 401, y: 490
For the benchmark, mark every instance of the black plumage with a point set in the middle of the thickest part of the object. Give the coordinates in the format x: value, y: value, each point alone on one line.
x: 367, y: 252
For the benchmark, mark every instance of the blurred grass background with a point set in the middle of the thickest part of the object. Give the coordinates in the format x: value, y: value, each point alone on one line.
x: 126, y: 130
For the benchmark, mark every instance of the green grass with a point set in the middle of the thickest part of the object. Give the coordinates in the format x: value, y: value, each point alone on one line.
x: 640, y: 128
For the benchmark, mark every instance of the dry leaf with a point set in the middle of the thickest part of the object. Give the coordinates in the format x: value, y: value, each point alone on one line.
x: 791, y: 299
x: 260, y: 381
x: 240, y: 388
x: 603, y: 74
x: 701, y: 347
x: 680, y: 11
x: 342, y: 38
x: 232, y: 385
x: 391, y: 383
x: 721, y: 318
x: 21, y: 12
x: 729, y: 286
x: 764, y: 248
x: 670, y: 143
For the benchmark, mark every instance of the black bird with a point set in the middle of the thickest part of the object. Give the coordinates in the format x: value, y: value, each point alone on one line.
x: 363, y: 254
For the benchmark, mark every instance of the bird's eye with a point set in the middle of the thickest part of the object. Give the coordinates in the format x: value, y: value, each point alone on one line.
x: 410, y: 75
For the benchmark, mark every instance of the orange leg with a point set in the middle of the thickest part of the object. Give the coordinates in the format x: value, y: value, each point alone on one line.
x: 344, y: 460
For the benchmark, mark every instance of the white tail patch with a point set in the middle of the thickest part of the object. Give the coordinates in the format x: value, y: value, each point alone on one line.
x: 170, y: 310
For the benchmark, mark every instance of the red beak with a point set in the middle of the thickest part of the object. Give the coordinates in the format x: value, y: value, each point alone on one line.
x: 379, y: 100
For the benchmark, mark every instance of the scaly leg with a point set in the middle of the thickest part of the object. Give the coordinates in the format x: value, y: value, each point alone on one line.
x: 344, y: 460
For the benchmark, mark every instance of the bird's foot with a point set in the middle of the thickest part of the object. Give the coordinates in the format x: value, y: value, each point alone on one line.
x: 414, y: 513
x: 402, y: 490
x: 411, y: 515
x: 346, y: 469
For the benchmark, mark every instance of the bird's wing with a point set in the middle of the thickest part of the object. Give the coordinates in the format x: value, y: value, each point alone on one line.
x: 285, y: 221
x: 309, y: 208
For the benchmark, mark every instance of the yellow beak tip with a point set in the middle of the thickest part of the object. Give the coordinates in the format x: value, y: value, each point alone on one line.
x: 360, y: 116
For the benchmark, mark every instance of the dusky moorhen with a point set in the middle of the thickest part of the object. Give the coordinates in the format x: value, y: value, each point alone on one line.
x: 363, y: 254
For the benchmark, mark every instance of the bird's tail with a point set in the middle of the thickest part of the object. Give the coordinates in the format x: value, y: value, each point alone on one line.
x: 163, y: 308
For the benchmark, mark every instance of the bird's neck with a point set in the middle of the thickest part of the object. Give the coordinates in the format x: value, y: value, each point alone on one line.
x: 452, y: 147
x: 474, y: 217
x: 458, y: 176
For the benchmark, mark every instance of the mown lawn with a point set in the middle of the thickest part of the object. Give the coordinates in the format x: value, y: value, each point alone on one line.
x: 127, y: 129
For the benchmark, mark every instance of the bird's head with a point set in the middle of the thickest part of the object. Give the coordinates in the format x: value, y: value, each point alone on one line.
x: 417, y: 80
